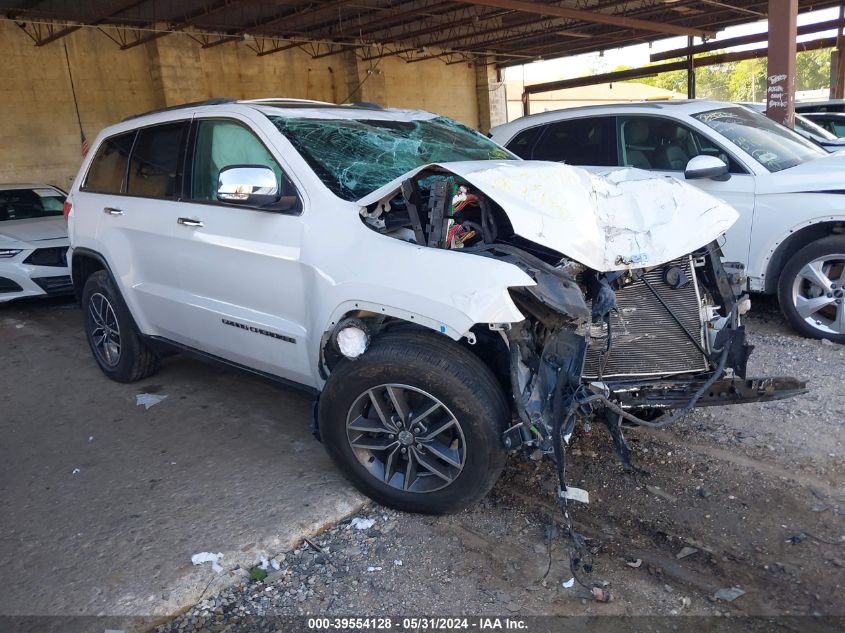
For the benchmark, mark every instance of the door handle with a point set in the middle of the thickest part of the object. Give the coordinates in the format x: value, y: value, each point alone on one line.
x: 112, y: 211
x: 189, y: 222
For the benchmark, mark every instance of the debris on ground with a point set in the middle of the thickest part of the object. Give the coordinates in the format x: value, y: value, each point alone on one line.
x: 208, y: 557
x: 148, y: 400
x: 634, y: 563
x: 728, y: 594
x: 658, y: 492
x: 362, y: 524
x: 601, y: 593
x: 686, y: 551
x: 257, y: 574
x: 568, y: 584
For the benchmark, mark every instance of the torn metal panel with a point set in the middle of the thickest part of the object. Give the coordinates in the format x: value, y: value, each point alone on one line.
x: 622, y: 220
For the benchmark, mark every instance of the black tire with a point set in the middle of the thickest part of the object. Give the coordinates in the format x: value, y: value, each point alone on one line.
x: 133, y: 361
x: 468, y: 393
x: 833, y: 247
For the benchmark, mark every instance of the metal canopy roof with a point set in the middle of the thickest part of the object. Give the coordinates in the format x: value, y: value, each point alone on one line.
x: 504, y: 32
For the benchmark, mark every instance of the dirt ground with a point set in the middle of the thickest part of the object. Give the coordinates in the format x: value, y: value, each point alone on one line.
x: 746, y: 497
x: 752, y: 498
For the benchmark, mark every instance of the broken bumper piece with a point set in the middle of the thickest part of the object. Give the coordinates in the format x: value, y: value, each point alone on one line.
x: 674, y: 394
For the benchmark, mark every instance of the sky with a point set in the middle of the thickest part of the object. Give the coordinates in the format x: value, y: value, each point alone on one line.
x: 638, y: 55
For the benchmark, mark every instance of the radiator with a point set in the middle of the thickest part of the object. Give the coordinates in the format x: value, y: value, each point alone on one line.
x: 646, y: 340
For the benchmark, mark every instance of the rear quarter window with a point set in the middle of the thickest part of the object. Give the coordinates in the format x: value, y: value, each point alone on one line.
x: 108, y: 169
x: 523, y: 143
x: 589, y: 141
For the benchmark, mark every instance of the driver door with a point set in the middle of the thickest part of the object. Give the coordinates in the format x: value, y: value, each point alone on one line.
x: 666, y: 145
x: 240, y: 266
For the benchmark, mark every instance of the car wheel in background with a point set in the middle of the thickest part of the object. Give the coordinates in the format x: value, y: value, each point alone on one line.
x: 811, y: 289
x: 114, y: 341
x: 416, y: 423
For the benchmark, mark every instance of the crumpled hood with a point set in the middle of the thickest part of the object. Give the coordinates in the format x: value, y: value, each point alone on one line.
x: 49, y: 228
x: 627, y: 218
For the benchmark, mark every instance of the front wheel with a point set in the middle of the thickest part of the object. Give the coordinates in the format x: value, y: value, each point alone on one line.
x: 811, y: 289
x: 416, y: 423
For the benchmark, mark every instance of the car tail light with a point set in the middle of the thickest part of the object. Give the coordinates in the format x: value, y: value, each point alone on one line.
x: 67, y: 208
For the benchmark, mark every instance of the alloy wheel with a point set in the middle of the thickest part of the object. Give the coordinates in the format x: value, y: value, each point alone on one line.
x: 105, y: 331
x: 818, y: 293
x: 406, y: 438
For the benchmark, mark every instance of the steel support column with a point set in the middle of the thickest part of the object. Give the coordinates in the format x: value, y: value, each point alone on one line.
x: 690, y: 70
x: 780, y: 76
x: 837, y: 62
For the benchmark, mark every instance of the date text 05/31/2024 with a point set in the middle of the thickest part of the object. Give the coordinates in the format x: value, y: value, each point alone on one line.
x: 416, y: 624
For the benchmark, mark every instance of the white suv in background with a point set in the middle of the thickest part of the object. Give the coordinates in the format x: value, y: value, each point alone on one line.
x: 788, y: 191
x: 424, y: 282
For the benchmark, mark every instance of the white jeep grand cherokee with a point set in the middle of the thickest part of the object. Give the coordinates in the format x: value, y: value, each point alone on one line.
x: 446, y: 300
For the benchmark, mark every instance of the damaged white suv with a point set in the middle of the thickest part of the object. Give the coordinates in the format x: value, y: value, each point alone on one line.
x: 446, y: 300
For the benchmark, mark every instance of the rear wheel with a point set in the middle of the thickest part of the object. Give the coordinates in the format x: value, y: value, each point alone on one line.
x: 811, y: 289
x: 114, y: 341
x: 416, y: 423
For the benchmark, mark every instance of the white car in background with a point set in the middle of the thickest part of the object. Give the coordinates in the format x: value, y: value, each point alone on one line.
x: 33, y: 242
x: 789, y: 191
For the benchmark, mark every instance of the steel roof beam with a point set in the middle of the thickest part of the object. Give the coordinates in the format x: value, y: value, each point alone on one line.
x: 741, y: 40
x: 93, y: 20
x: 556, y: 11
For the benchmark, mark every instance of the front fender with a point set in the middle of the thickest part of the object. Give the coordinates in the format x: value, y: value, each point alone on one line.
x: 774, y: 224
x: 445, y: 291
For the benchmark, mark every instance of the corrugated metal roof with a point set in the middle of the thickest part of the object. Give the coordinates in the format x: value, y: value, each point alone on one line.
x: 510, y: 31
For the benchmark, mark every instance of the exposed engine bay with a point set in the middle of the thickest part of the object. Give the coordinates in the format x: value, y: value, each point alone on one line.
x: 634, y: 345
x: 631, y: 344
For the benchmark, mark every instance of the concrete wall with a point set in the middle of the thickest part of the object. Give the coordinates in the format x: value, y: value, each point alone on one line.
x: 39, y: 134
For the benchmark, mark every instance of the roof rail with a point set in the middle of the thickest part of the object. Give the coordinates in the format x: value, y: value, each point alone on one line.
x: 280, y: 101
x: 366, y: 105
x: 192, y: 104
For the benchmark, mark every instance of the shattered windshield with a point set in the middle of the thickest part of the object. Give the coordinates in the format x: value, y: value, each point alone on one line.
x: 772, y: 145
x: 354, y: 157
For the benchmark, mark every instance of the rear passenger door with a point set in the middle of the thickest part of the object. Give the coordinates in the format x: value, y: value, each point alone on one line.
x: 240, y: 266
x: 141, y: 173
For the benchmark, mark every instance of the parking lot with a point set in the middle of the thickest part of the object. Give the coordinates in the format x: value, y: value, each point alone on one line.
x: 106, y: 501
x: 112, y: 500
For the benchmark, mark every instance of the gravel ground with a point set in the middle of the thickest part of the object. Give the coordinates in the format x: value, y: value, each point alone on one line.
x: 746, y: 497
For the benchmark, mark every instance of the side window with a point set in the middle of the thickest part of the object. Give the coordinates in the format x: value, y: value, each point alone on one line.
x: 222, y: 143
x: 522, y: 143
x: 590, y: 141
x: 665, y: 145
x: 155, y: 169
x: 108, y: 169
x: 838, y: 127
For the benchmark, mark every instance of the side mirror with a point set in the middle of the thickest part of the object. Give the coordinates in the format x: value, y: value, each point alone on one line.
x: 248, y: 184
x: 706, y: 167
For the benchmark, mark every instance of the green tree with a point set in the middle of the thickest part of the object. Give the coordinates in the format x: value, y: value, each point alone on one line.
x: 745, y: 80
